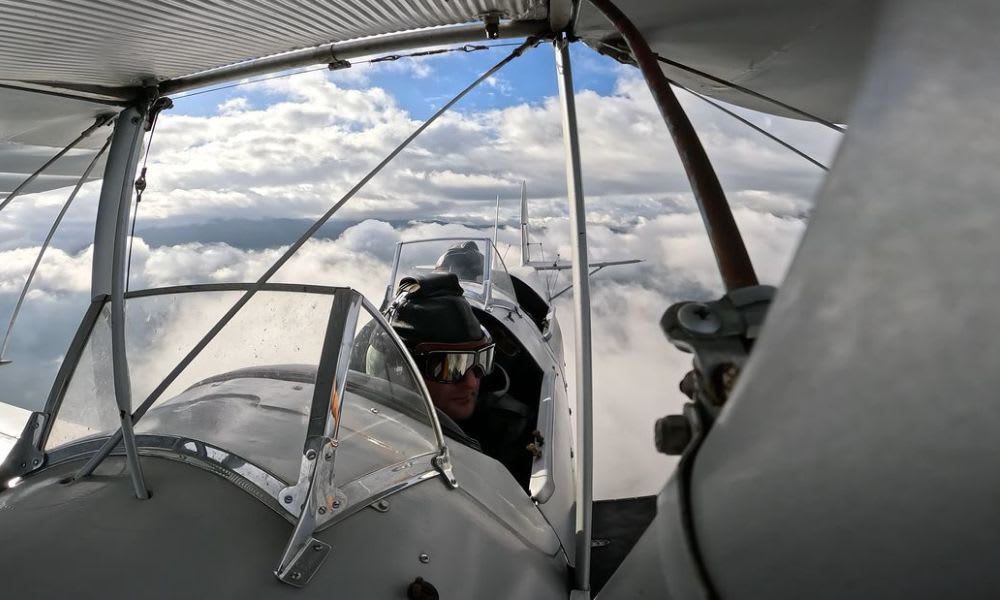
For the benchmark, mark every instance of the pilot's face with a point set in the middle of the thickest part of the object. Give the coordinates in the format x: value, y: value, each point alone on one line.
x: 458, y: 399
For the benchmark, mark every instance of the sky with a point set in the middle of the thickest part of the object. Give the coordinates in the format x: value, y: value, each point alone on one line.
x: 236, y: 174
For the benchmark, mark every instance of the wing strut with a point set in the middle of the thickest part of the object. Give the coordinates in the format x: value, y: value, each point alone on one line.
x: 581, y: 319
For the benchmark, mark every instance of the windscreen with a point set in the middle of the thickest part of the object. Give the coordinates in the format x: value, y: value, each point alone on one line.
x: 250, y: 391
x: 466, y: 258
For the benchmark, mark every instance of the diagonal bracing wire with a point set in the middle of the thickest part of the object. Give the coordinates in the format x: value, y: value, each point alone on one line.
x: 112, y: 441
x: 755, y: 127
x: 737, y: 87
x: 100, y: 122
x: 45, y: 245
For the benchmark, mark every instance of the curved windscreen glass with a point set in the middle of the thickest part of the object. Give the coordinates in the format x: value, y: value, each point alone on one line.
x: 475, y: 260
x: 250, y: 391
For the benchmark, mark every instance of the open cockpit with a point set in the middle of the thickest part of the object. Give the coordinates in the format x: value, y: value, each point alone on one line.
x: 305, y: 370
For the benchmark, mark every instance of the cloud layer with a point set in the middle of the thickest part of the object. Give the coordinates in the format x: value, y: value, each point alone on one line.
x: 298, y: 152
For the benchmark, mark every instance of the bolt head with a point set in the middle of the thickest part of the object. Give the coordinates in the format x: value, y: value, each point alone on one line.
x: 672, y: 434
x: 699, y: 318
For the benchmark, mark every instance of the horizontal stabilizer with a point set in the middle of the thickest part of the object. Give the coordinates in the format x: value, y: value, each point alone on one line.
x: 563, y: 265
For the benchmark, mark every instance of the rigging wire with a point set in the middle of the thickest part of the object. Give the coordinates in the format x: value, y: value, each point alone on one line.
x: 100, y: 122
x: 140, y: 187
x: 753, y: 126
x: 737, y: 87
x: 467, y: 48
x: 45, y: 245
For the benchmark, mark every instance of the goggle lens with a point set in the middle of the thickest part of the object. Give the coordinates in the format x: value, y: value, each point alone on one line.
x: 449, y: 366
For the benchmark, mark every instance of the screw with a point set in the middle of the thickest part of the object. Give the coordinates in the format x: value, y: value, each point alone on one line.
x: 35, y: 462
x: 374, y: 410
x: 424, y: 558
x: 295, y: 576
x: 336, y: 503
x: 311, y: 454
x: 334, y: 443
x: 699, y: 318
x: 322, y: 510
x: 317, y: 547
x: 672, y: 434
x: 288, y: 499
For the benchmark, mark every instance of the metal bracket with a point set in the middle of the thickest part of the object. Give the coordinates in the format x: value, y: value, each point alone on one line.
x: 442, y: 462
x: 26, y: 454
x: 720, y: 334
x: 314, y: 497
x: 307, y: 560
x: 338, y: 64
x: 491, y: 20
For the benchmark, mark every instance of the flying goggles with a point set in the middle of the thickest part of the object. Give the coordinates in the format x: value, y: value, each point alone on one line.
x: 450, y: 366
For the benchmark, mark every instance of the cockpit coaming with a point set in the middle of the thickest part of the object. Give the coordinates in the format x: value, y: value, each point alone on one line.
x: 320, y: 440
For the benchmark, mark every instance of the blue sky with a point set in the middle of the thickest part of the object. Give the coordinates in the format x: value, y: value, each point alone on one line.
x: 528, y: 79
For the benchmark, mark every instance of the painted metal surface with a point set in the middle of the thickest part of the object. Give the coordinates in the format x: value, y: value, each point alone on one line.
x: 866, y: 423
x: 581, y: 318
x: 113, y: 211
x: 223, y: 541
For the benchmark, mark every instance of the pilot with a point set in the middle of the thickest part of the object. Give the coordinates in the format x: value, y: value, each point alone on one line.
x: 455, y: 356
x: 451, y: 349
x: 464, y: 260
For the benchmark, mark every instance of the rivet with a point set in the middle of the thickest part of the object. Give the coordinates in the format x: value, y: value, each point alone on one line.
x: 317, y: 547
x: 424, y: 558
x: 374, y: 410
x: 35, y: 462
x: 288, y: 499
